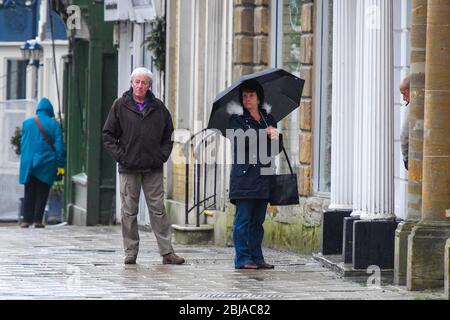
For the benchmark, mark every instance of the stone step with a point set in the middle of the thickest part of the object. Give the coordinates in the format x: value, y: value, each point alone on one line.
x: 336, y: 263
x: 191, y: 234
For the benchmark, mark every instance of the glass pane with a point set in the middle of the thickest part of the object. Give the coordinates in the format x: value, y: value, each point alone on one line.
x: 325, y: 106
x: 291, y: 36
x: 290, y: 61
x: 16, y: 79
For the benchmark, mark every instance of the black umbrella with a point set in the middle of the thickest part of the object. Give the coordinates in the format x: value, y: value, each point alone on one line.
x: 282, y: 90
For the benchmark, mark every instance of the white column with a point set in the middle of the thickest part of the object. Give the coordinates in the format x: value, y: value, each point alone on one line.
x: 32, y: 84
x: 344, y: 44
x: 373, y: 138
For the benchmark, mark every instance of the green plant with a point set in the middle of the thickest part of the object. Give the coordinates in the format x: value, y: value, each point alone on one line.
x: 15, y: 140
x: 57, y: 186
x: 156, y: 42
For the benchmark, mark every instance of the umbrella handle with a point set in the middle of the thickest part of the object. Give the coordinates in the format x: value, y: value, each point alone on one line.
x: 284, y: 150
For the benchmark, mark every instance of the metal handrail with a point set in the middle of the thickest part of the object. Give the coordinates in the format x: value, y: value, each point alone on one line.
x: 198, y: 203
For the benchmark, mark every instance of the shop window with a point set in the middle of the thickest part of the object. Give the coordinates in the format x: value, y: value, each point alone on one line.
x: 286, y: 30
x: 322, y: 97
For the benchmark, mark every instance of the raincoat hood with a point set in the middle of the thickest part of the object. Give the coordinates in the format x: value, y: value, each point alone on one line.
x: 45, y: 107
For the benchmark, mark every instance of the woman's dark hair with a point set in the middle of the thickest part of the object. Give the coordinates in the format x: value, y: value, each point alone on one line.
x: 252, y: 85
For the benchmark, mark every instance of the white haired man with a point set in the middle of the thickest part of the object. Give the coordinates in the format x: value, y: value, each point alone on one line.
x: 138, y: 134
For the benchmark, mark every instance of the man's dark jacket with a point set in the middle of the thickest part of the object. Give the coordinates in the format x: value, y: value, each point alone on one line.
x: 138, y: 141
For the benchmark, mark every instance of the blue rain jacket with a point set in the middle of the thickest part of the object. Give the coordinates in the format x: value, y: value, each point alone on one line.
x: 37, y: 158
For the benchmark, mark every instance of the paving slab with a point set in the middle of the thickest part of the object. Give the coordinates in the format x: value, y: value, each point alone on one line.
x: 71, y: 262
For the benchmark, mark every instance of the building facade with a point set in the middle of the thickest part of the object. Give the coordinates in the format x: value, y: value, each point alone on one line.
x: 210, y: 45
x: 22, y: 84
x: 90, y: 87
x: 298, y: 37
x: 343, y: 139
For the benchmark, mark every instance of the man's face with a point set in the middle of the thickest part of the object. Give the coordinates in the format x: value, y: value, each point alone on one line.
x: 405, y: 93
x: 140, y: 85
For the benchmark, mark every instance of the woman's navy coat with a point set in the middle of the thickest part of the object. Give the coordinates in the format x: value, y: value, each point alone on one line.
x: 246, y: 181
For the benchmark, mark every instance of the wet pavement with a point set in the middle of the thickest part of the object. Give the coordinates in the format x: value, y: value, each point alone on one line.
x: 69, y: 262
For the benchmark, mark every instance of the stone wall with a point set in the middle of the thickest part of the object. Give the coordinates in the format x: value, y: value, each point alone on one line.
x: 306, y: 73
x: 297, y: 228
x: 293, y: 228
x: 251, y: 36
x: 251, y: 53
x: 178, y: 163
x: 447, y: 270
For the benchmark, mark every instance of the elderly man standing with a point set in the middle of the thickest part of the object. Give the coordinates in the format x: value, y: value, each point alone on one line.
x: 138, y: 134
x: 404, y: 134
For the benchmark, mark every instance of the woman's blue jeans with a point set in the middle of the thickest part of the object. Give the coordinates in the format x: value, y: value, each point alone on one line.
x: 248, y: 231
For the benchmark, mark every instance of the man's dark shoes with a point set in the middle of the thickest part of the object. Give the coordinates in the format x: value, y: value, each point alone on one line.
x: 250, y: 266
x: 39, y: 225
x: 265, y: 265
x: 130, y: 260
x: 172, y: 258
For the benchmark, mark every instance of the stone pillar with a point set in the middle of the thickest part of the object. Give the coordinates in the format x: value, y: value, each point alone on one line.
x: 447, y: 270
x: 427, y: 240
x: 373, y: 137
x: 344, y: 19
x: 415, y: 116
x: 373, y: 198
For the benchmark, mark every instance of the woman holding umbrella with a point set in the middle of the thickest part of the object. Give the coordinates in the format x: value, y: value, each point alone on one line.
x: 250, y: 176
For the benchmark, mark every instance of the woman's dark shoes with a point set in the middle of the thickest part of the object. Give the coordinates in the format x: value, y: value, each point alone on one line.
x: 266, y: 265
x: 251, y: 266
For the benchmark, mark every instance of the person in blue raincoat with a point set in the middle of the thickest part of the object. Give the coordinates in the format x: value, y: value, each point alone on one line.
x: 253, y: 134
x: 39, y: 161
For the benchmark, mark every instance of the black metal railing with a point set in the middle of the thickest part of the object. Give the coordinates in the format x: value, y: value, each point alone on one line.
x: 205, y: 201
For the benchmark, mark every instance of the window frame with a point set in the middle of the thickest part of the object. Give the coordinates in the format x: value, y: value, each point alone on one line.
x: 8, y: 86
x: 276, y: 61
x: 320, y: 93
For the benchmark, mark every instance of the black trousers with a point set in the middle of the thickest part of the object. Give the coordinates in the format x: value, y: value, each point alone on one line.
x: 36, y: 195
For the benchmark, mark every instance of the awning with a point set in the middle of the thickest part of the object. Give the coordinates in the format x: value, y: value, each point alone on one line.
x: 129, y: 10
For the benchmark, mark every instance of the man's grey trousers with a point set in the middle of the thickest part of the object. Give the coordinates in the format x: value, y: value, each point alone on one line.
x: 153, y: 186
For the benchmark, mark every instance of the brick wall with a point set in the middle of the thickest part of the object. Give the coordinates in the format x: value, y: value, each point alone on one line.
x: 306, y: 73
x: 294, y: 228
x: 251, y: 53
x: 179, y: 173
x: 251, y: 36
